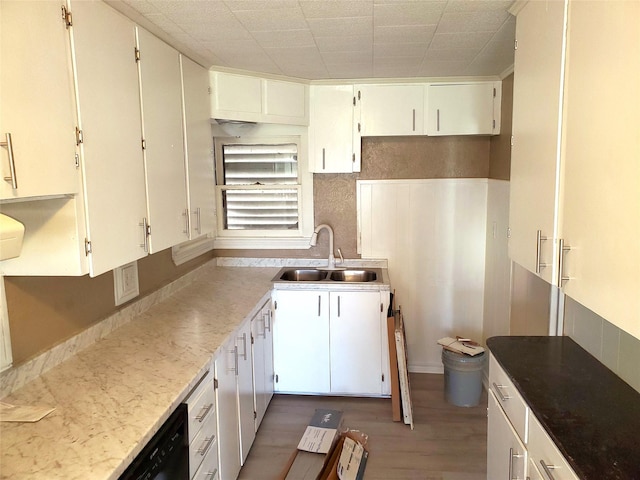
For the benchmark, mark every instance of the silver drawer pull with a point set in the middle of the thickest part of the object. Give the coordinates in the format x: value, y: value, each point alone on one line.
x: 12, y: 179
x: 204, y: 412
x: 211, y: 474
x: 206, y: 444
x: 503, y: 397
x: 547, y: 469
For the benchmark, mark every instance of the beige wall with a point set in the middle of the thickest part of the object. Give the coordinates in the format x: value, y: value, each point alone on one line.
x: 45, y: 311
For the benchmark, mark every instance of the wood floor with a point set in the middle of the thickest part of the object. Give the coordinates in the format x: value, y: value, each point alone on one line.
x: 447, y: 443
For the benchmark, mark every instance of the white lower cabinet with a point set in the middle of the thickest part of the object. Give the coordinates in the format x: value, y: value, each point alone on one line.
x: 507, y: 457
x: 263, y: 378
x: 244, y: 376
x: 202, y: 428
x: 518, y: 448
x: 330, y: 342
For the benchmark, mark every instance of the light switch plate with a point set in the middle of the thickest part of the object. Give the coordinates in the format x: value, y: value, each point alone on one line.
x: 125, y: 282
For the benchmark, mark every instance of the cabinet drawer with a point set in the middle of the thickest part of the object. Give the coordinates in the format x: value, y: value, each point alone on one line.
x: 209, y: 467
x: 509, y: 398
x: 201, y: 406
x: 545, y: 455
x: 203, y: 445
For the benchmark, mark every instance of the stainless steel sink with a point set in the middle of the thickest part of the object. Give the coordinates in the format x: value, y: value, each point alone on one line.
x: 354, y: 276
x: 303, y: 275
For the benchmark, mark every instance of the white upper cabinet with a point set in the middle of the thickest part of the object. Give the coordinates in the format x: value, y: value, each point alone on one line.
x: 109, y: 101
x: 162, y: 130
x: 463, y: 109
x: 391, y: 109
x: 254, y: 99
x: 601, y: 182
x: 535, y: 154
x: 38, y: 108
x: 333, y: 130
x: 198, y: 148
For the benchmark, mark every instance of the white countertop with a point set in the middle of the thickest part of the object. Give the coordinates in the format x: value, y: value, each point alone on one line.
x: 113, y: 396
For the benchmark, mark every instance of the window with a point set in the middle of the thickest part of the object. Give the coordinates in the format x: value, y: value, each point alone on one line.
x: 261, y: 192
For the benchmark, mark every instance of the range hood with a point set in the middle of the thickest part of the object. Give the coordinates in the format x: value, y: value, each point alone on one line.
x: 235, y: 128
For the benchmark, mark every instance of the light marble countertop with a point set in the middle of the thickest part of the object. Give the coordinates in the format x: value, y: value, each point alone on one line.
x: 111, y: 397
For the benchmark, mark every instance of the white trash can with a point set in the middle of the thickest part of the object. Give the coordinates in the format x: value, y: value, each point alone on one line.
x: 462, y: 378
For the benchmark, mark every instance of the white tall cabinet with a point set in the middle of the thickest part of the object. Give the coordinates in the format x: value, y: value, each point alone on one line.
x: 37, y: 101
x: 163, y: 143
x: 109, y: 112
x: 575, y: 175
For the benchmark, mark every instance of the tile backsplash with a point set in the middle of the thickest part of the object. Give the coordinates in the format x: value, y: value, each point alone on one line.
x: 615, y: 348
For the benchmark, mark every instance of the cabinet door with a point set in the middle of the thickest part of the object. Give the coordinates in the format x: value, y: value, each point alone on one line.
x: 236, y: 97
x: 38, y: 106
x: 109, y: 101
x: 464, y: 109
x: 301, y: 341
x: 198, y: 148
x: 506, y: 455
x: 537, y: 96
x: 262, y: 362
x: 331, y: 130
x: 391, y: 109
x: 601, y: 188
x: 227, y: 409
x: 161, y: 92
x: 245, y: 390
x: 355, y: 343
x: 285, y: 102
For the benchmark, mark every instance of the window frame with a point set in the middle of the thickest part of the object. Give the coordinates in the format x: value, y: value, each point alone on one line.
x: 268, y: 238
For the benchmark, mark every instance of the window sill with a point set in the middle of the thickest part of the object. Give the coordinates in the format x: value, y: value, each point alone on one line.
x: 297, y: 243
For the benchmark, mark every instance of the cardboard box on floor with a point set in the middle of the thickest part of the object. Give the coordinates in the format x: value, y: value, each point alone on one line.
x: 318, y: 455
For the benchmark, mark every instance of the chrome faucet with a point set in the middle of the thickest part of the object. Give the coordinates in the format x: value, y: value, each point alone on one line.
x: 314, y: 241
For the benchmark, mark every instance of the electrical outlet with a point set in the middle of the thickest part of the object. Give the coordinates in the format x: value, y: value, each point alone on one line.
x: 125, y: 282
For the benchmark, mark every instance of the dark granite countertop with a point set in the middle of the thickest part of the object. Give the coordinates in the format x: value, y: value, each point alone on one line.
x: 591, y: 414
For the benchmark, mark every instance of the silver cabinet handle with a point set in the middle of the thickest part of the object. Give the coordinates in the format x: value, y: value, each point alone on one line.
x: 539, y: 240
x: 503, y: 398
x: 211, y: 475
x: 414, y: 119
x: 511, y: 457
x: 235, y: 360
x: 438, y: 119
x: 323, y: 158
x: 547, y: 469
x: 145, y: 233
x: 185, y: 214
x: 204, y: 412
x: 8, y: 144
x: 338, y: 306
x: 205, y: 445
x: 268, y: 324
x: 319, y: 304
x: 198, y: 221
x: 244, y: 345
x: 563, y: 249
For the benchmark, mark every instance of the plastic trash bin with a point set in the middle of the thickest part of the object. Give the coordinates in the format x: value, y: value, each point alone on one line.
x: 462, y: 378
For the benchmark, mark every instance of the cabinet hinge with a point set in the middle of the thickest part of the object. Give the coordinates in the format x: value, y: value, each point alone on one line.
x: 512, y: 140
x: 359, y: 95
x: 79, y: 136
x: 215, y: 383
x: 508, y: 232
x: 209, y: 90
x: 275, y: 305
x: 353, y: 158
x: 383, y: 377
x: 494, y: 124
x: 67, y: 18
x: 136, y: 52
x: 252, y: 340
x: 144, y: 144
x: 494, y: 93
x: 515, y: 44
x: 381, y: 307
x: 359, y: 127
x: 276, y: 378
x: 255, y: 414
x: 354, y: 101
x: 77, y: 160
x: 87, y: 247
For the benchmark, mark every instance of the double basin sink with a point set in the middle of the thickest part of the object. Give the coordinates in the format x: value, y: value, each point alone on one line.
x: 349, y: 275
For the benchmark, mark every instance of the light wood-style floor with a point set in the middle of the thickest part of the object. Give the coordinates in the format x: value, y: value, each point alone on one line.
x: 447, y: 443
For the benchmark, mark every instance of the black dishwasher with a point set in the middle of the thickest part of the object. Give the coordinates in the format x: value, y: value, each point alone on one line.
x: 166, y: 456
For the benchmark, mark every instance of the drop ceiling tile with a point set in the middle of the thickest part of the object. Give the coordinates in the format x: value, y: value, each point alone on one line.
x: 477, y: 5
x: 324, y: 27
x: 490, y: 21
x: 435, y: 68
x: 284, y: 38
x: 336, y: 8
x: 272, y: 19
x: 398, y: 71
x: 399, y: 61
x: 344, y: 43
x: 143, y: 6
x: 411, y: 34
x: 240, y: 5
x: 472, y: 41
x: 446, y: 54
x: 408, y: 13
x: 160, y: 20
x: 346, y: 57
x: 399, y: 50
x: 351, y: 70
